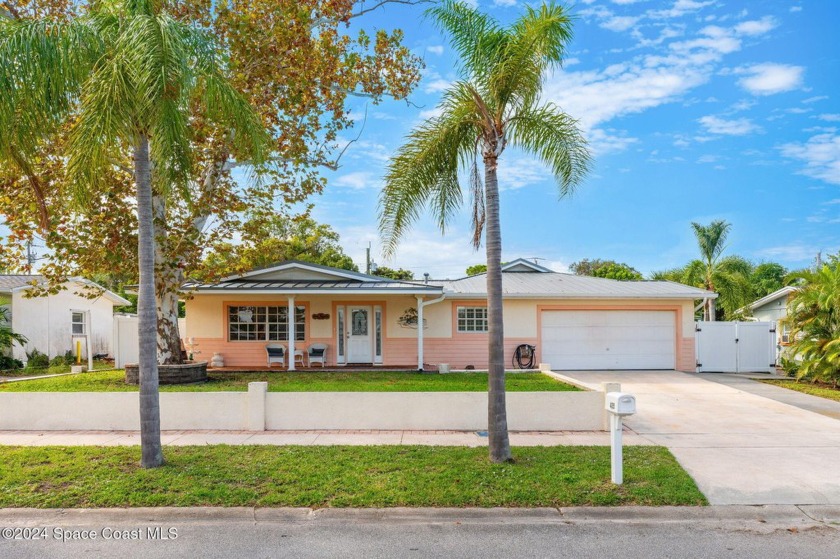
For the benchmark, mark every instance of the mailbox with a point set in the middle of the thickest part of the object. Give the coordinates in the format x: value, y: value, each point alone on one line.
x: 620, y: 403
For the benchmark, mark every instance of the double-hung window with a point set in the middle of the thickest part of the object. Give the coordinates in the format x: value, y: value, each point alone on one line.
x: 472, y: 319
x: 77, y: 323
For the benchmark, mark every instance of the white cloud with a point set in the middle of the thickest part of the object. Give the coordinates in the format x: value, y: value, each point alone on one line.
x: 733, y: 127
x: 504, y: 3
x: 835, y: 117
x: 608, y: 141
x: 794, y: 9
x: 435, y: 49
x: 431, y: 113
x: 679, y: 9
x: 437, y: 85
x: 767, y: 79
x: 359, y: 180
x: 756, y: 27
x: 821, y: 155
x: 518, y: 171
x: 708, y: 159
x: 619, y: 23
x: 595, y: 97
x: 791, y: 253
x: 815, y: 99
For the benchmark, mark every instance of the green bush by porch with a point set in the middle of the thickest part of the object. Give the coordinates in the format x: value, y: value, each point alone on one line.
x: 283, y: 381
x: 339, y: 476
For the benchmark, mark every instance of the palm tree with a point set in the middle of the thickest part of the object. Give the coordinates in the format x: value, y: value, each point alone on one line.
x: 814, y: 319
x: 729, y: 276
x: 126, y: 75
x: 495, y: 103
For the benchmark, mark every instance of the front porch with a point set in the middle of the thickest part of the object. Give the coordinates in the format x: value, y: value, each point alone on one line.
x: 360, y: 320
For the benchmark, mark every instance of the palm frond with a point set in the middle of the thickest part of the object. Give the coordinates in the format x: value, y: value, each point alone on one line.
x: 711, y: 239
x: 476, y: 37
x: 478, y: 207
x: 556, y: 139
x: 424, y: 172
x: 539, y: 38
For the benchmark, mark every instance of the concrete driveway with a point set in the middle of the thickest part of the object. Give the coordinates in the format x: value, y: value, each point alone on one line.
x: 741, y: 448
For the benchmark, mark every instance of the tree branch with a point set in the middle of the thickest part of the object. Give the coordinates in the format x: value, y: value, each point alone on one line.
x: 381, y: 3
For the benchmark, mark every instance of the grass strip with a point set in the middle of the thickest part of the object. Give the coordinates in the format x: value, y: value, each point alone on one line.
x: 821, y: 390
x: 305, y: 381
x: 339, y: 476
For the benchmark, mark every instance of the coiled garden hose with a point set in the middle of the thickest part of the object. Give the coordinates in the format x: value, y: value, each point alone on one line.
x: 524, y: 356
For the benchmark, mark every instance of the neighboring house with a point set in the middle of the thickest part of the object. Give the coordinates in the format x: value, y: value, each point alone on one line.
x: 50, y: 322
x: 576, y: 322
x: 773, y: 308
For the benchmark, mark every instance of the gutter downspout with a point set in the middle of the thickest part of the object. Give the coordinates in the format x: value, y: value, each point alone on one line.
x: 420, y: 305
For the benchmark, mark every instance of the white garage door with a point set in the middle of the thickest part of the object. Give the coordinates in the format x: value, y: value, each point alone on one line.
x: 588, y: 340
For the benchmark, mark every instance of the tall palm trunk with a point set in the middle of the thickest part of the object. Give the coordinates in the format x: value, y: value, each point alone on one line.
x: 497, y: 410
x: 152, y: 453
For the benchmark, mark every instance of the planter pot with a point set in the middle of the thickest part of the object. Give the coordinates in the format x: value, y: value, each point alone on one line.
x: 171, y: 374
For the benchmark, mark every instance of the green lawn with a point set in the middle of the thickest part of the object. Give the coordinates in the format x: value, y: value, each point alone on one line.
x: 55, y: 370
x: 821, y: 390
x: 339, y: 476
x: 351, y: 381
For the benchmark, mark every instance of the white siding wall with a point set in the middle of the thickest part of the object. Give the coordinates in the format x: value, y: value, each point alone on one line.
x: 45, y: 321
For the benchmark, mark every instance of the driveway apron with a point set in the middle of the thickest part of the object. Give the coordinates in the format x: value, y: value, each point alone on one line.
x: 741, y: 448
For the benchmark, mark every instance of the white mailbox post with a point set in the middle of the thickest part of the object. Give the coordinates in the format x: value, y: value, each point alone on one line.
x: 618, y: 404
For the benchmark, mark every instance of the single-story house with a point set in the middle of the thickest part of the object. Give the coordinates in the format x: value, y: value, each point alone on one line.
x: 575, y: 322
x: 773, y: 308
x: 52, y: 322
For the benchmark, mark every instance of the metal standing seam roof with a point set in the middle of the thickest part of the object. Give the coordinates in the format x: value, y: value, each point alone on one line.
x: 311, y: 285
x: 10, y: 282
x: 558, y: 285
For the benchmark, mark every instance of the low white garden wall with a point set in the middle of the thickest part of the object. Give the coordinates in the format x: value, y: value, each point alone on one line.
x: 258, y: 410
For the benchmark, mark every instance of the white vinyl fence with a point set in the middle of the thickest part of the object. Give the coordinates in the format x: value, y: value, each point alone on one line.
x: 126, y: 341
x: 736, y: 347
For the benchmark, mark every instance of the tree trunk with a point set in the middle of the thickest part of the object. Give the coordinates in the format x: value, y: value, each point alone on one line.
x: 168, y: 280
x: 497, y: 412
x: 150, y: 447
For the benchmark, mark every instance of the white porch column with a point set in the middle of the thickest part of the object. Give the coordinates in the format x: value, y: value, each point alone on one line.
x: 291, y: 329
x: 419, y: 333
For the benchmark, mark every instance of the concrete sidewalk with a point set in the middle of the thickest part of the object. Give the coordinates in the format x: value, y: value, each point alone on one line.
x: 312, y: 438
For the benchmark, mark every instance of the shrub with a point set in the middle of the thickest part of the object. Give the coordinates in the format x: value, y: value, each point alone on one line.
x: 9, y: 363
x: 37, y: 360
x: 789, y: 366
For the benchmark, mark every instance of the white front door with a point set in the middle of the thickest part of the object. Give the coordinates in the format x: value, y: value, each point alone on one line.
x: 359, y: 335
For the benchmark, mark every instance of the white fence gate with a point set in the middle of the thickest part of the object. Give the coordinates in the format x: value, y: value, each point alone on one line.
x: 736, y: 347
x: 126, y: 339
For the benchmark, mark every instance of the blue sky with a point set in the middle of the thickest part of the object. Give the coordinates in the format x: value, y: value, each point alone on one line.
x: 695, y: 110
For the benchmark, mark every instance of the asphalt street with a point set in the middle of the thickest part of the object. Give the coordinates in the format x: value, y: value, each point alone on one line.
x: 627, y: 532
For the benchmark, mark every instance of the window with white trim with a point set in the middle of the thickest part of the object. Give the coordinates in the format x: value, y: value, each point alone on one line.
x: 77, y: 323
x: 269, y: 323
x: 472, y: 319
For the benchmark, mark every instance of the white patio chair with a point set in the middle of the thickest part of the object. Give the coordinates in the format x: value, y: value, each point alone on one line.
x: 317, y: 354
x: 276, y: 353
